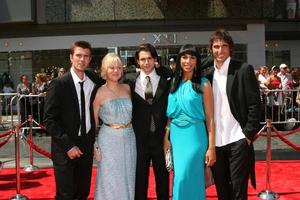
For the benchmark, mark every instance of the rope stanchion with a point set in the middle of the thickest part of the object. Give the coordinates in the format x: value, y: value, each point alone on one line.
x: 31, y: 167
x: 18, y: 196
x: 268, y: 194
x: 30, y: 141
x: 259, y: 132
x: 38, y: 149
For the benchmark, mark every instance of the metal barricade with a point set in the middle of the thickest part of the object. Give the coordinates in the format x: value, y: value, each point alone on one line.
x: 33, y: 106
x: 8, y: 108
x: 280, y: 106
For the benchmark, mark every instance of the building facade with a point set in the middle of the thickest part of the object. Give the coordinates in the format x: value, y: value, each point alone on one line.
x: 35, y: 35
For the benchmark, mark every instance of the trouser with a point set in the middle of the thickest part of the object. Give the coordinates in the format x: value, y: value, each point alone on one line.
x: 231, y: 171
x: 145, y: 154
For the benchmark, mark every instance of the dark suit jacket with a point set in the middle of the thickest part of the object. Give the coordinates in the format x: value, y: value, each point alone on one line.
x: 62, y: 115
x: 142, y: 111
x: 244, y: 101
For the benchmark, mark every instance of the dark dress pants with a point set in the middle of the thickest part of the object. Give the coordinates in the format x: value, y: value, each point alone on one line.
x: 153, y: 151
x: 73, y: 177
x: 231, y: 171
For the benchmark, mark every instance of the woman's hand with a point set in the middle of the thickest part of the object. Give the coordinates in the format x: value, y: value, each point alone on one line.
x: 97, y: 154
x: 167, y: 145
x: 210, y: 157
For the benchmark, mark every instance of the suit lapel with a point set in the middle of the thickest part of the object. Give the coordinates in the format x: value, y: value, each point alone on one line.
x: 72, y: 89
x: 230, y: 78
x: 162, y: 84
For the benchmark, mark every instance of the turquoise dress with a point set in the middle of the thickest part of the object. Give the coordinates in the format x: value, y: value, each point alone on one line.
x: 188, y: 137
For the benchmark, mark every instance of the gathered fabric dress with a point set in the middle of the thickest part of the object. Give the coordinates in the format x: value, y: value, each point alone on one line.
x: 189, y: 140
x: 116, y: 170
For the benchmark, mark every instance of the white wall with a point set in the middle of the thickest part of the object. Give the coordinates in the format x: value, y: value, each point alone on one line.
x: 254, y: 37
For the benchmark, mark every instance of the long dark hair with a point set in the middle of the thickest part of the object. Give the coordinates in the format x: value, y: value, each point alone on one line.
x: 191, y: 50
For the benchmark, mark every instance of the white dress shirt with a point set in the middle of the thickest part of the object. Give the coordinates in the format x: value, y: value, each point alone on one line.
x: 228, y: 130
x: 286, y: 80
x: 140, y: 84
x: 88, y: 87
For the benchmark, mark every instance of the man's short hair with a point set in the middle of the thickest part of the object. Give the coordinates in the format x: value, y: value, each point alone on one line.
x: 82, y: 44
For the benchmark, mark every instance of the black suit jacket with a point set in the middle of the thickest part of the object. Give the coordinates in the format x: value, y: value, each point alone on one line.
x: 244, y: 101
x: 62, y: 115
x: 243, y: 96
x: 142, y: 111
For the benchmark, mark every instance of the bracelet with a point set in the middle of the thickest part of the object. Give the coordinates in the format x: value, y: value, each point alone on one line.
x: 167, y: 128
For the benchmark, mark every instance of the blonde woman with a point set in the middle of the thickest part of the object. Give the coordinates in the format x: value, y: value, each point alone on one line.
x: 116, y: 139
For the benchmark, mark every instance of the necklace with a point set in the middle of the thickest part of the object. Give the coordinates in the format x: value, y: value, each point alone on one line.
x: 115, y: 91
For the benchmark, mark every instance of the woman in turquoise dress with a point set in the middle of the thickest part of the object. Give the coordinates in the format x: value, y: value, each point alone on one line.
x: 116, y: 139
x: 190, y: 127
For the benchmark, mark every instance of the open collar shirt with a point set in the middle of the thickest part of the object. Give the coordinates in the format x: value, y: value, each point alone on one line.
x: 228, y: 130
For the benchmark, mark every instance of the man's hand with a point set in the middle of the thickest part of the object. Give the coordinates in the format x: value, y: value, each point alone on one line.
x: 74, y: 152
x: 248, y: 141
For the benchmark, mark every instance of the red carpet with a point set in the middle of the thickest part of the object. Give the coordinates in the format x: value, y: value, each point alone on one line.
x: 39, y: 185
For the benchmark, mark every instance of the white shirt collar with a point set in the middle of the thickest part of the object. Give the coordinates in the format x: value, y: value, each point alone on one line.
x: 76, y: 79
x: 153, y: 75
x: 224, y: 67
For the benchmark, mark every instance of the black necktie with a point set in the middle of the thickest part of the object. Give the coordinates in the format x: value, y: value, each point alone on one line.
x: 149, y: 98
x: 82, y: 106
x: 148, y: 90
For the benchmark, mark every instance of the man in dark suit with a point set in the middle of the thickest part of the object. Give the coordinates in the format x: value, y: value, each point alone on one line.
x: 149, y: 121
x: 69, y: 120
x: 237, y: 115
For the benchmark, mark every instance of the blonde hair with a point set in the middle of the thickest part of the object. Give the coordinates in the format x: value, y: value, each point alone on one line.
x: 109, y: 60
x: 41, y: 76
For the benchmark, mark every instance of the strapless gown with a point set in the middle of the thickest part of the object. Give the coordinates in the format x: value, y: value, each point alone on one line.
x: 116, y: 170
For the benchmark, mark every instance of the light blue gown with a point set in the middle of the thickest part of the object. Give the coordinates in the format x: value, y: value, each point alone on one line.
x: 116, y: 170
x: 189, y: 140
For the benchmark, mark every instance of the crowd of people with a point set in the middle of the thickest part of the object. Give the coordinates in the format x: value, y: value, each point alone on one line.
x: 206, y: 120
x: 206, y: 111
x: 33, y: 103
x: 279, y: 87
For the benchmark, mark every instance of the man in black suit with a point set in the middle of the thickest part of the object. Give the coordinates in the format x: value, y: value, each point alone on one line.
x: 237, y: 115
x: 149, y: 121
x: 69, y: 120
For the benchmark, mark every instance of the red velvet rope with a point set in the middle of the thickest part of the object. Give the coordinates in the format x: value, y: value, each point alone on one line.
x: 6, y: 140
x: 282, y: 134
x: 43, y: 127
x: 38, y: 149
x: 259, y: 133
x: 294, y: 146
x: 5, y: 133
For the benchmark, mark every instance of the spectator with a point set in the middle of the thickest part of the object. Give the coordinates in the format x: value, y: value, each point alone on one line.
x: 24, y: 88
x: 61, y: 71
x: 286, y: 78
x: 172, y: 64
x: 39, y: 88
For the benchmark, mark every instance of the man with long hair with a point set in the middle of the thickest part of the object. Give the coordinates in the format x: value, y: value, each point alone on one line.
x: 237, y: 114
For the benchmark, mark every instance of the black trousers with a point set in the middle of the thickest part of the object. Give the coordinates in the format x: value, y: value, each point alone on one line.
x: 153, y: 151
x: 73, y: 177
x: 231, y: 171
